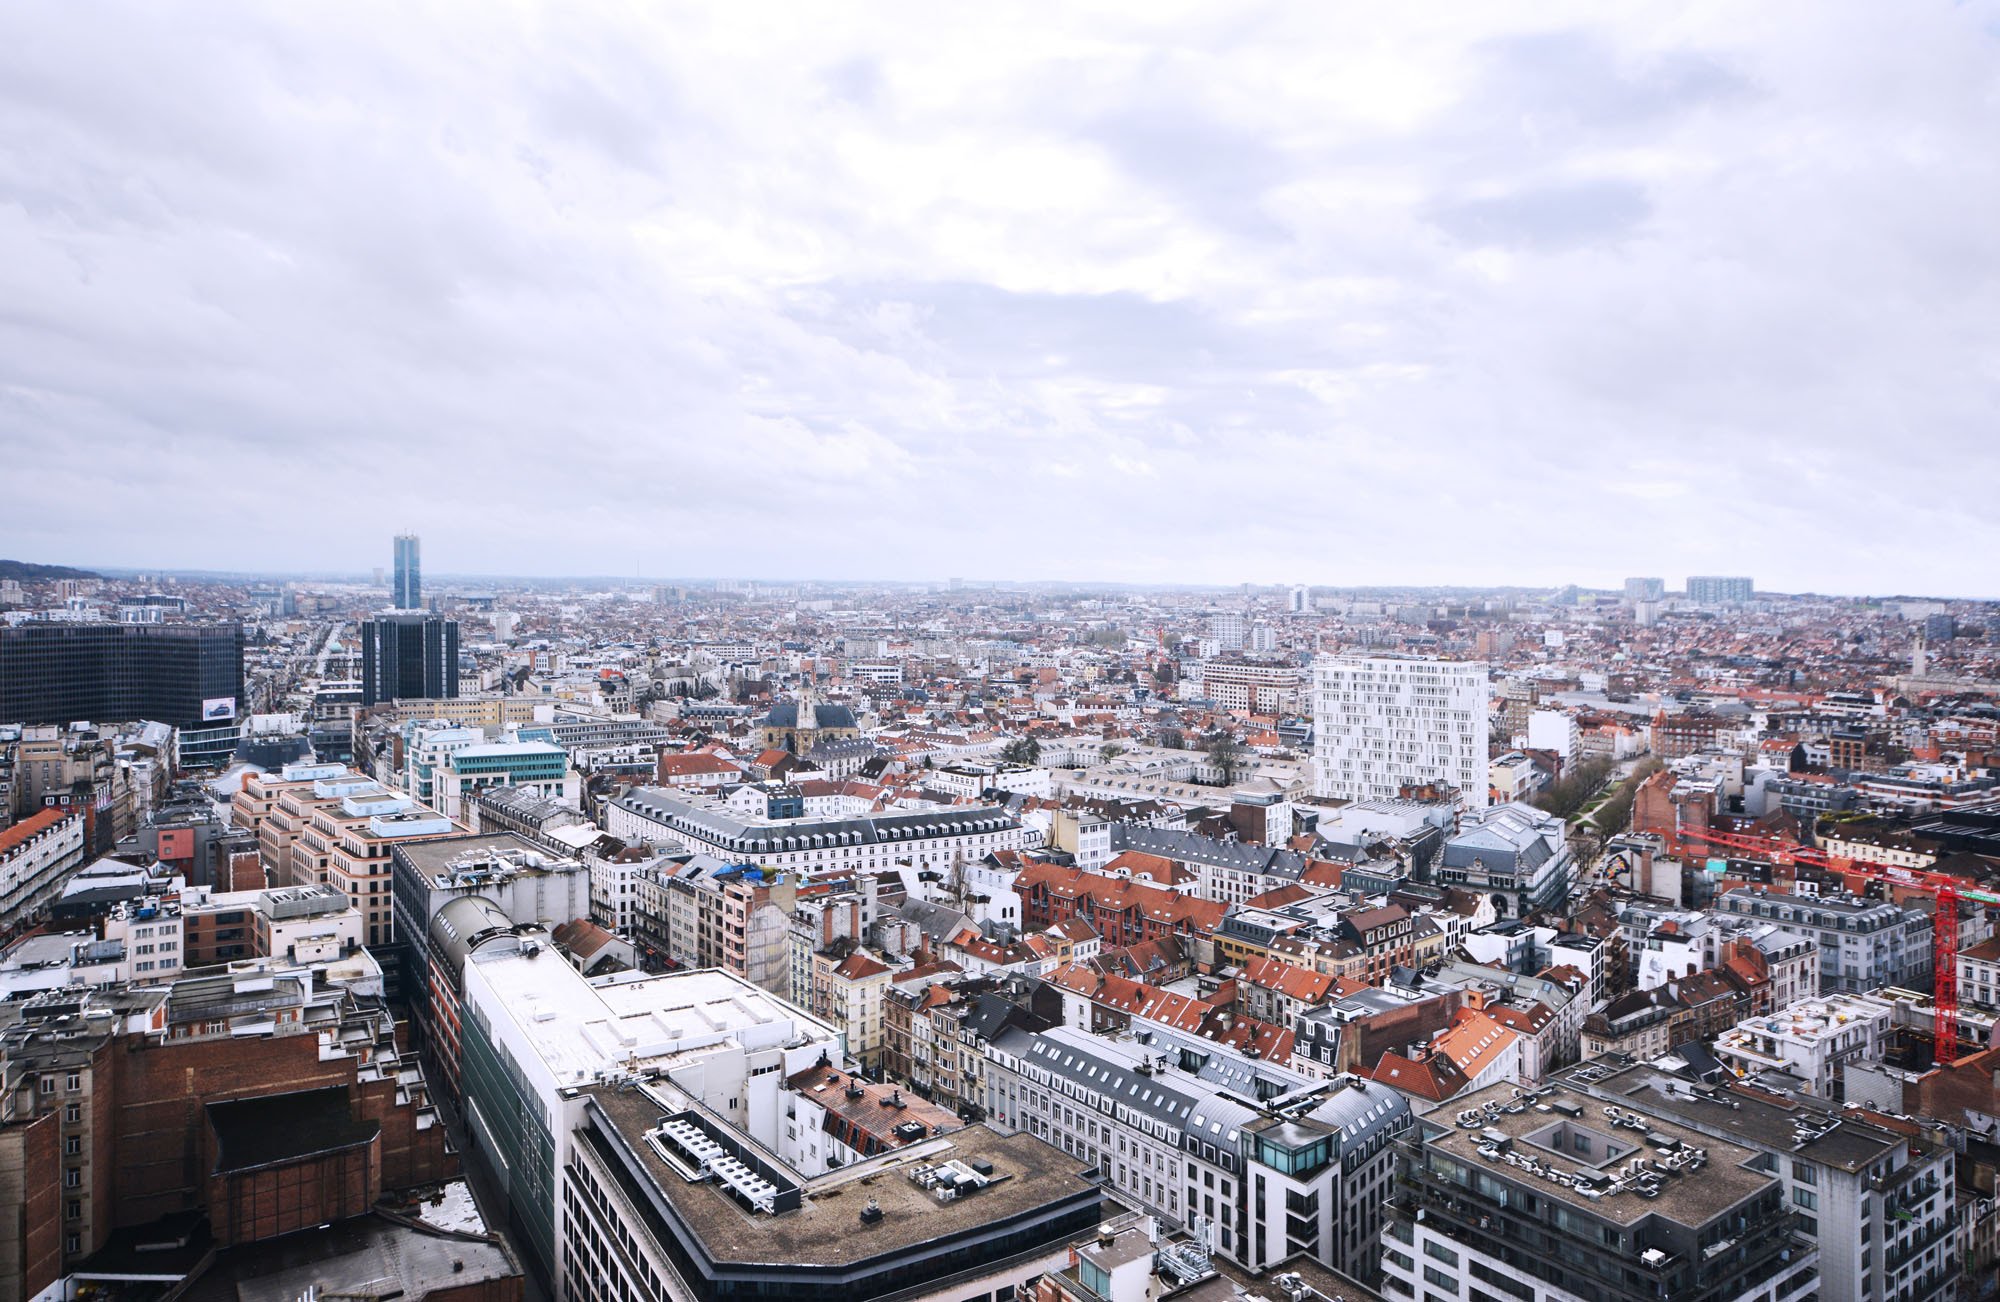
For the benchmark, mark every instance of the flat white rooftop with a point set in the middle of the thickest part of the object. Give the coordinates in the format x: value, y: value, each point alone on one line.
x: 580, y: 1028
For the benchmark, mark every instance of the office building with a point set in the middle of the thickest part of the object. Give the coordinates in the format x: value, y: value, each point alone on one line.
x: 539, y: 768
x: 409, y: 589
x: 1719, y: 590
x: 1270, y: 1162
x: 408, y: 655
x: 498, y: 881
x: 1872, y: 1192
x: 1382, y: 724
x: 1300, y: 602
x: 534, y: 1033
x: 1638, y: 590
x: 185, y: 675
x: 934, y: 838
x: 1553, y: 1196
x: 1225, y: 627
x: 666, y: 1202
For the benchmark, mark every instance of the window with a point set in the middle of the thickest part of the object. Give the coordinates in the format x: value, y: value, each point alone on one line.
x: 1432, y: 1248
x: 1806, y: 1198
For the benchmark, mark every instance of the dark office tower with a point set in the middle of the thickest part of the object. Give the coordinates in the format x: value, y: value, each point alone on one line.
x: 186, y: 675
x: 409, y: 574
x: 405, y: 655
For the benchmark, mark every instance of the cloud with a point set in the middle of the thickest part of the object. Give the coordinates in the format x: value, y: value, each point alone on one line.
x: 1456, y: 295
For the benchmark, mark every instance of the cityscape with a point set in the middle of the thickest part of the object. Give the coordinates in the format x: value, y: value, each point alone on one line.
x: 679, y: 652
x: 965, y: 938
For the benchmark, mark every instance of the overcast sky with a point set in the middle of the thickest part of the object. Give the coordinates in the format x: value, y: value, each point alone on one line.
x: 1308, y: 293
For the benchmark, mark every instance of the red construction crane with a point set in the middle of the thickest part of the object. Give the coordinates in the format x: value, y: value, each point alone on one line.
x: 1944, y: 888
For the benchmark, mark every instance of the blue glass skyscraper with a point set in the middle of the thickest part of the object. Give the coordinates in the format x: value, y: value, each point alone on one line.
x: 409, y: 577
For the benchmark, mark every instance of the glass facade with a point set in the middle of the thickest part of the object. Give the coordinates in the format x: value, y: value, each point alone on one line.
x: 409, y: 656
x: 409, y: 590
x: 64, y: 673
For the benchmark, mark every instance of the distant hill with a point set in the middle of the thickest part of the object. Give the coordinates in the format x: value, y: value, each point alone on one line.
x: 29, y: 572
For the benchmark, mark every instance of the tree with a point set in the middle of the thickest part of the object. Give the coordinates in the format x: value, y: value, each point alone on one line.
x: 1575, y: 789
x: 1170, y: 738
x: 1614, y: 814
x: 1226, y: 753
x: 1022, y: 750
x: 1111, y: 750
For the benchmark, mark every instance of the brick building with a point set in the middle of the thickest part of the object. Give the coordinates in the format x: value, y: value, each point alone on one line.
x: 122, y: 1106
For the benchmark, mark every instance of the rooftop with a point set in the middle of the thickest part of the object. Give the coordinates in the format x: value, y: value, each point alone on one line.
x: 827, y: 1230
x: 1499, y: 1130
x: 580, y: 1028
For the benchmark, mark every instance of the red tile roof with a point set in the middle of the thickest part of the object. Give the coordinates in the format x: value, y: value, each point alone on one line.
x: 32, y: 826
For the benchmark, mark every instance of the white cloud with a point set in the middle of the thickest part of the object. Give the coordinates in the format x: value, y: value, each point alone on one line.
x: 1319, y: 293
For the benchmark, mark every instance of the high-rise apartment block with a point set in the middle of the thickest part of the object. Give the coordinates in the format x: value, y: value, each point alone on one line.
x: 1226, y: 628
x: 1382, y: 723
x: 405, y: 654
x: 1719, y: 590
x: 1637, y: 590
x: 185, y: 675
x: 409, y: 591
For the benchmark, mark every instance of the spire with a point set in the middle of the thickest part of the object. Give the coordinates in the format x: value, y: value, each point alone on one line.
x: 808, y: 708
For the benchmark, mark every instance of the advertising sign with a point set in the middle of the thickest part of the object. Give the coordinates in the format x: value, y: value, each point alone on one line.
x: 218, y: 709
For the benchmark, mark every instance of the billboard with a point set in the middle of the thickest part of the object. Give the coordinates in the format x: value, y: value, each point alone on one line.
x: 216, y: 709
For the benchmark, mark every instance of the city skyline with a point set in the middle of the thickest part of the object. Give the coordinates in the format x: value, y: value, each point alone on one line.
x: 1590, y: 286
x: 1675, y: 587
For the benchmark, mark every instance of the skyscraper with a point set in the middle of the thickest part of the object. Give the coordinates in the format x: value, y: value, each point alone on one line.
x: 408, y: 655
x: 409, y: 574
x: 1381, y: 723
x: 186, y: 675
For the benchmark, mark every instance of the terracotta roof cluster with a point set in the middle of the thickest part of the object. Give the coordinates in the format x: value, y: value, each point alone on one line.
x: 1303, y: 984
x: 1159, y: 905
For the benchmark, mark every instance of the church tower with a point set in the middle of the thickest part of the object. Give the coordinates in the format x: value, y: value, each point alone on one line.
x: 808, y: 712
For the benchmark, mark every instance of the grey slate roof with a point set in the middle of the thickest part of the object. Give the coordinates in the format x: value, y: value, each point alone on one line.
x: 785, y: 714
x: 736, y: 835
x: 1191, y: 847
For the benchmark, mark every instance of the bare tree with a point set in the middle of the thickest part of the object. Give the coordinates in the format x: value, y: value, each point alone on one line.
x: 1226, y: 753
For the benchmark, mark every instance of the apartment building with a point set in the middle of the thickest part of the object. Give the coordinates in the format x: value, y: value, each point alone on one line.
x: 1252, y: 686
x: 1811, y: 1040
x: 36, y: 855
x: 1863, y: 944
x: 1270, y: 1162
x: 349, y: 843
x: 1382, y: 724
